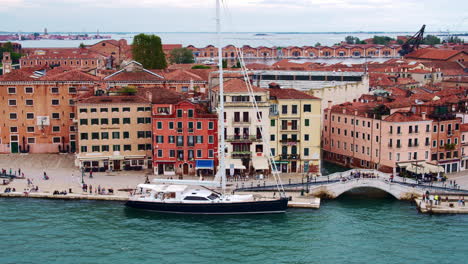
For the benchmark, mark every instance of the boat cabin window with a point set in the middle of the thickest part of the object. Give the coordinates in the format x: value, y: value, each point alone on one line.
x: 213, y: 196
x: 195, y: 198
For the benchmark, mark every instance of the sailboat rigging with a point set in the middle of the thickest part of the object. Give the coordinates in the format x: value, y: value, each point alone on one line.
x: 192, y: 196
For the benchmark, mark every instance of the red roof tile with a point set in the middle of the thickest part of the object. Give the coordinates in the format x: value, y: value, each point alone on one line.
x: 433, y: 54
x: 290, y: 94
x: 403, y: 117
x: 238, y: 86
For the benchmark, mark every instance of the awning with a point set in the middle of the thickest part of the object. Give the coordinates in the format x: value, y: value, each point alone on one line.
x: 93, y: 158
x: 135, y: 157
x: 281, y: 162
x: 116, y: 158
x: 204, y: 164
x: 260, y: 163
x: 236, y: 162
x: 423, y: 167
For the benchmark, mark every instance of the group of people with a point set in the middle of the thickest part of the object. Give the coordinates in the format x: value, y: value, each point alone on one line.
x: 17, y: 173
x: 9, y: 190
x: 97, y: 190
x: 433, y: 199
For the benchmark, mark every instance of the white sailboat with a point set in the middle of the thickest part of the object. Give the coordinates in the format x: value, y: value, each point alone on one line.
x: 199, y: 197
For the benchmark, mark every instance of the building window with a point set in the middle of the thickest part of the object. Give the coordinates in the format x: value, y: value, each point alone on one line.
x: 179, y: 112
x: 306, y: 151
x: 104, y: 110
x: 54, y: 90
x: 95, y: 135
x: 55, y: 102
x: 272, y: 137
x: 115, y: 121
x: 159, y: 125
x: 30, y: 129
x: 199, y: 153
x: 104, y: 135
x: 127, y: 147
x: 84, y: 149
x: 31, y: 140
x: 104, y: 121
x: 306, y: 122
x: 126, y: 134
x: 126, y: 109
x: 210, y: 125
x: 284, y: 109
x: 115, y: 135
x: 272, y: 123
x: 28, y: 90
x: 12, y: 102
x: 94, y: 121
x: 13, y: 116
x: 307, y: 108
x: 126, y: 120
x: 56, y: 139
x: 11, y: 90
x: 115, y: 147
x: 83, y: 136
x: 190, y: 113
x: 306, y: 137
x: 210, y: 139
x: 199, y: 125
x: 56, y: 129
x: 105, y: 148
x: 115, y: 109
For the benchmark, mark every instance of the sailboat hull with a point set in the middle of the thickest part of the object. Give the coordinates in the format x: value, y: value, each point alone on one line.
x: 248, y: 207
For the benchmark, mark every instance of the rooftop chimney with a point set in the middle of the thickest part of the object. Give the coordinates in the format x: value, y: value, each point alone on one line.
x: 330, y: 104
x: 423, y: 115
x: 149, y: 96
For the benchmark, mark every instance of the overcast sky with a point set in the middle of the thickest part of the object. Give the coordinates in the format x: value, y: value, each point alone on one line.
x: 239, y: 15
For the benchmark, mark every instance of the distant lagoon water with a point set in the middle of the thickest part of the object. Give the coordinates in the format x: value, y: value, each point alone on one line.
x: 202, y: 39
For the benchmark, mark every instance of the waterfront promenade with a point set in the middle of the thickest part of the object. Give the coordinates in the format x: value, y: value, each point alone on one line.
x: 64, y: 176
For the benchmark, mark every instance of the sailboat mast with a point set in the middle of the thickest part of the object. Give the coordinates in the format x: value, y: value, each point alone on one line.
x: 222, y: 145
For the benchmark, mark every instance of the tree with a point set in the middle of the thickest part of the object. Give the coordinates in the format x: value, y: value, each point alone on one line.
x: 318, y: 44
x: 382, y: 40
x: 8, y: 47
x: 82, y: 45
x: 431, y: 40
x: 224, y: 64
x: 454, y: 39
x: 201, y: 67
x: 147, y: 50
x: 181, y: 55
x: 354, y: 40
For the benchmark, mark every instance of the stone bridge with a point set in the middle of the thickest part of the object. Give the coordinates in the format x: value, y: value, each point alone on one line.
x: 399, y: 190
x: 334, y: 185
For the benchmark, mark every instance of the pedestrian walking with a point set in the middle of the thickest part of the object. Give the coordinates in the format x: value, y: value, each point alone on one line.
x: 90, y: 174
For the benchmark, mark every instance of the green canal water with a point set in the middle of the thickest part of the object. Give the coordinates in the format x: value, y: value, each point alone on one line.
x: 347, y: 230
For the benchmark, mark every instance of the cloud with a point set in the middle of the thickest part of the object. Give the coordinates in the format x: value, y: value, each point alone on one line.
x: 9, y: 4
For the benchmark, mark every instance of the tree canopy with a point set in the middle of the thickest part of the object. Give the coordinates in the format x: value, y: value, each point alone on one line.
x: 354, y: 40
x: 382, y: 40
x: 147, y: 50
x: 8, y: 47
x: 181, y: 55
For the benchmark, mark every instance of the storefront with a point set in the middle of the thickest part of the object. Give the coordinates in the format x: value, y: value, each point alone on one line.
x: 204, y: 167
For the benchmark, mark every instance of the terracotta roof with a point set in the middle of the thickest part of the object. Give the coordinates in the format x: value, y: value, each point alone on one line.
x: 56, y: 74
x: 433, y: 54
x: 181, y: 75
x: 133, y: 76
x: 238, y: 86
x: 73, y: 75
x: 130, y: 99
x: 60, y: 53
x: 403, y: 117
x: 160, y: 95
x: 290, y: 94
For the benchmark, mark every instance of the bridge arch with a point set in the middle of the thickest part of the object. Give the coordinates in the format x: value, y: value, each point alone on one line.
x: 367, y: 187
x: 338, y: 188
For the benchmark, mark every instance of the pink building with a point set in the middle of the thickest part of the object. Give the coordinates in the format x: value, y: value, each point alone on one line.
x: 358, y: 135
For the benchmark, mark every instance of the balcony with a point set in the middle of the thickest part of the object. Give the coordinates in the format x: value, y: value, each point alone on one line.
x: 241, y: 121
x: 241, y: 154
x: 243, y: 138
x: 290, y: 141
x: 289, y: 156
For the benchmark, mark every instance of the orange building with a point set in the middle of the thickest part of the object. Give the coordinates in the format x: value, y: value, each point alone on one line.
x: 38, y: 109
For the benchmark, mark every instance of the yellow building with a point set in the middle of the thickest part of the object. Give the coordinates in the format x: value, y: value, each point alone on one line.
x: 295, y: 125
x: 114, y: 133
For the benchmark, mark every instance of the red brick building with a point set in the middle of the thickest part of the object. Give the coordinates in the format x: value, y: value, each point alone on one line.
x: 185, y: 136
